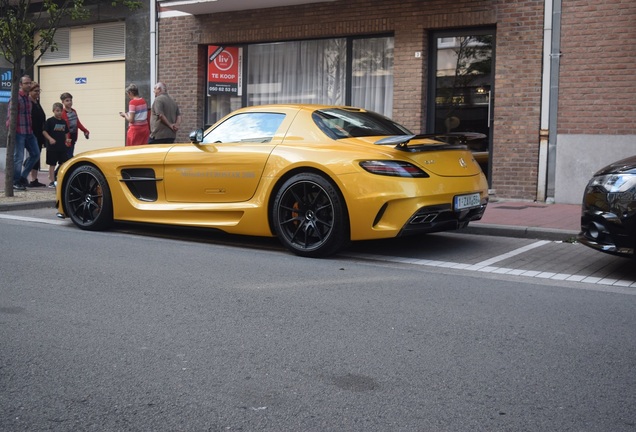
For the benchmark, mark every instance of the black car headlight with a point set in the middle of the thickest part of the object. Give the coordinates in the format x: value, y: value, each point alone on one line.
x: 614, y: 183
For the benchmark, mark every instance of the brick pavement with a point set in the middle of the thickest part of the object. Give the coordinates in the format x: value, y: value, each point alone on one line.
x: 533, y: 214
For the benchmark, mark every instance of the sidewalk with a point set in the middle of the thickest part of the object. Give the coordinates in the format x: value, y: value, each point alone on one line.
x: 527, y: 219
x: 39, y: 197
x: 521, y: 219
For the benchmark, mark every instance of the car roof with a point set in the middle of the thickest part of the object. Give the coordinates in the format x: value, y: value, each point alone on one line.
x: 311, y: 107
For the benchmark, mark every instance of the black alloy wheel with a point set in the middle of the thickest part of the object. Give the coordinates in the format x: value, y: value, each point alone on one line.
x: 87, y: 199
x: 309, y: 216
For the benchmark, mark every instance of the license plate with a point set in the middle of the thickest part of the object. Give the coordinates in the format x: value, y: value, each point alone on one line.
x: 467, y: 201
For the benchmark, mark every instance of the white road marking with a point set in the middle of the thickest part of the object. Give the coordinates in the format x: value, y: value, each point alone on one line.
x: 484, y: 268
x: 512, y: 253
x: 31, y: 219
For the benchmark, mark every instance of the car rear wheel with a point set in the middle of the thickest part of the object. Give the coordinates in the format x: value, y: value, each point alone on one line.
x: 87, y: 199
x: 309, y: 216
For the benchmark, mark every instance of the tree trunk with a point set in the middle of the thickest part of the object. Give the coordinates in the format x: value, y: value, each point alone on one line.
x: 13, y: 115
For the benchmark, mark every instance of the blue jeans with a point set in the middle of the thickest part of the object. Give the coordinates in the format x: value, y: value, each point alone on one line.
x: 70, y: 150
x: 22, y: 142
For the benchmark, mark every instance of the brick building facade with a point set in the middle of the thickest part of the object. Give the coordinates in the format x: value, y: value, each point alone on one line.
x: 595, y: 74
x: 596, y: 89
x: 562, y: 82
x: 598, y: 68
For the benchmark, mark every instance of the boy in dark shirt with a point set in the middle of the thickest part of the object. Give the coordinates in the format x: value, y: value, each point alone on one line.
x: 57, y: 134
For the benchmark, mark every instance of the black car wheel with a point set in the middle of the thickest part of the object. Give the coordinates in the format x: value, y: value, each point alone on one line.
x: 87, y: 199
x: 309, y: 216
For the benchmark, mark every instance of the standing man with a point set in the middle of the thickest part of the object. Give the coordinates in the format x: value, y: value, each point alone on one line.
x: 24, y: 138
x: 166, y: 117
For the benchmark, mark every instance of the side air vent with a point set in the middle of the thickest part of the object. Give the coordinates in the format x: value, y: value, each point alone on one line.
x: 141, y: 182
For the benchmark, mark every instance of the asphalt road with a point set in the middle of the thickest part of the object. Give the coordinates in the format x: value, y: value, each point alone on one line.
x: 141, y: 330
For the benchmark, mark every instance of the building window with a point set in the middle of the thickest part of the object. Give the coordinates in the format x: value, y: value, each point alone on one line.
x: 109, y: 41
x: 372, y: 75
x: 342, y: 71
x: 297, y: 72
x: 62, y: 49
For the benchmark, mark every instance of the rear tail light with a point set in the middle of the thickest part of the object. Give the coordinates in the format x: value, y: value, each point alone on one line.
x: 393, y: 168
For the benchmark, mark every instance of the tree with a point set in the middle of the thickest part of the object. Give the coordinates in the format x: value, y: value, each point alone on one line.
x: 20, y: 21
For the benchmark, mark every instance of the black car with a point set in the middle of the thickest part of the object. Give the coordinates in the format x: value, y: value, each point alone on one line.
x: 608, y: 218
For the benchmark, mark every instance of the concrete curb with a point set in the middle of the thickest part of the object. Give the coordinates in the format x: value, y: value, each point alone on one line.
x: 552, y: 234
x: 28, y: 205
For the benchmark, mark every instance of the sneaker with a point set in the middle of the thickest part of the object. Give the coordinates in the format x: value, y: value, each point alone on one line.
x: 24, y: 182
x: 18, y: 187
x: 36, y: 183
x: 52, y: 185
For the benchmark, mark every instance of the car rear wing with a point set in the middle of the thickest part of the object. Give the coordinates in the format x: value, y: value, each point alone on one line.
x: 448, y: 141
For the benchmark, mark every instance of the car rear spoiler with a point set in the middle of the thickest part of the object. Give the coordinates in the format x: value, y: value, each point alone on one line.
x: 451, y: 140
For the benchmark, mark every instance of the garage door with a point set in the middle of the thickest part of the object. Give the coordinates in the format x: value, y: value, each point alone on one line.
x: 98, y: 91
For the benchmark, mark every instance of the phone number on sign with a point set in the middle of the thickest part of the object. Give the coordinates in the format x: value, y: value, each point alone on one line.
x: 214, y: 89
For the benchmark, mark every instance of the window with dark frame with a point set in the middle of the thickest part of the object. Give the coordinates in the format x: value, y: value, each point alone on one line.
x: 340, y: 71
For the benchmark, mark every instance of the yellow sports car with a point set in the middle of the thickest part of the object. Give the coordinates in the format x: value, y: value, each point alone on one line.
x: 317, y: 177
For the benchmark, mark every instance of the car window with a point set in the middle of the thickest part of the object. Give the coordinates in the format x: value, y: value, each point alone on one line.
x: 246, y: 127
x: 340, y: 123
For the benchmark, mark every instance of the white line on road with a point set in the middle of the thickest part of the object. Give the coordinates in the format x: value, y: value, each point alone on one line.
x: 31, y: 219
x: 511, y: 253
x: 480, y: 267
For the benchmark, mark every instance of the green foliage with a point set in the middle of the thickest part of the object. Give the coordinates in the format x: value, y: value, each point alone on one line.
x: 130, y: 4
x: 20, y: 22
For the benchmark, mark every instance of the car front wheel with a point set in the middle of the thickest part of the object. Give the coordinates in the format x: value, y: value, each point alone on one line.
x: 87, y: 199
x: 309, y: 216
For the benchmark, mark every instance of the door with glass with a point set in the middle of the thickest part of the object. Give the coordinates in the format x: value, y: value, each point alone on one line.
x: 461, y: 87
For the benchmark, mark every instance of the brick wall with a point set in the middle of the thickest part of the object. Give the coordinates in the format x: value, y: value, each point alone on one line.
x: 517, y: 98
x: 517, y: 77
x: 597, y: 85
x: 179, y: 67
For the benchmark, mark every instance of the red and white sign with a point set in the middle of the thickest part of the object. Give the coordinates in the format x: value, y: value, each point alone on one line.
x: 224, y: 70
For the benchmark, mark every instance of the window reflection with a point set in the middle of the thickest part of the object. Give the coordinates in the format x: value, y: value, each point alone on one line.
x: 308, y: 72
x: 315, y: 72
x: 463, y: 89
x: 248, y: 127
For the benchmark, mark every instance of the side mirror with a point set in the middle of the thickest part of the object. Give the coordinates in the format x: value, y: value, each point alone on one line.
x: 196, y: 136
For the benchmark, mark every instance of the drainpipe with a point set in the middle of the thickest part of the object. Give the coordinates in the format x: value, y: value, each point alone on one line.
x: 555, y: 60
x: 549, y: 100
x: 542, y: 176
x: 153, y: 47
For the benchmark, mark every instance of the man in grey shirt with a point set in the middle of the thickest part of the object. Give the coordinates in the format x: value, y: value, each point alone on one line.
x: 166, y: 117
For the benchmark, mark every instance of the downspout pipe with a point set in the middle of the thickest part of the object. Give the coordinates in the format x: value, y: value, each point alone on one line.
x: 555, y: 60
x: 542, y: 175
x: 153, y: 47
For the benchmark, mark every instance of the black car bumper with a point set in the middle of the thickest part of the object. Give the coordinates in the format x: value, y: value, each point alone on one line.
x: 608, y: 232
x: 441, y: 218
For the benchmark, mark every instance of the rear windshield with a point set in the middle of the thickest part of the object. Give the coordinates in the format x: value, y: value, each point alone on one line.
x: 340, y: 123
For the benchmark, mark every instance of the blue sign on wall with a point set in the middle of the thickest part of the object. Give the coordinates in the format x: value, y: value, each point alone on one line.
x: 5, y: 84
x: 80, y: 80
